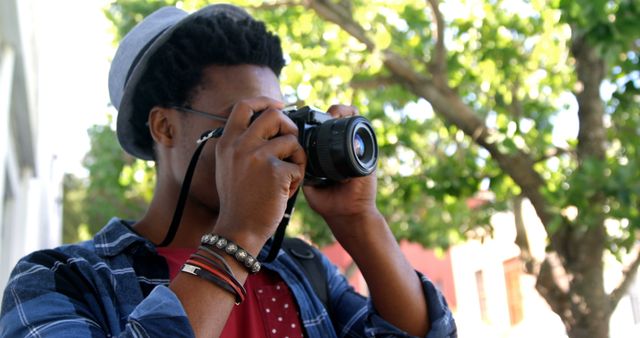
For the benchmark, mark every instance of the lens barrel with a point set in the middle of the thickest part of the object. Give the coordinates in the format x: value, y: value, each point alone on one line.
x: 341, y: 148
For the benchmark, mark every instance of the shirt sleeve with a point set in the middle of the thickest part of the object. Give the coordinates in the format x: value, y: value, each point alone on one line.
x: 160, y: 315
x: 53, y: 295
x: 355, y: 315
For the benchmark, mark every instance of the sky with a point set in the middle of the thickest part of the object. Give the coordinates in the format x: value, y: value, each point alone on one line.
x: 74, y: 46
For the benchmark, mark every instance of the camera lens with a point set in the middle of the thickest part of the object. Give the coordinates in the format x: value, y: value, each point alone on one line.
x: 358, y: 146
x: 363, y: 144
x: 342, y: 148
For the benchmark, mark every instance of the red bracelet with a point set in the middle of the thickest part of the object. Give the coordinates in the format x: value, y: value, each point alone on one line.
x: 206, y: 275
x: 240, y: 291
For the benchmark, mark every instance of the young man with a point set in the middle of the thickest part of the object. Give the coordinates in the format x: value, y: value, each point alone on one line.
x: 174, y: 77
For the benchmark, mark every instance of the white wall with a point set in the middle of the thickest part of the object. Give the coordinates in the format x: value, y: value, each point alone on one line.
x: 538, y: 319
x: 30, y: 185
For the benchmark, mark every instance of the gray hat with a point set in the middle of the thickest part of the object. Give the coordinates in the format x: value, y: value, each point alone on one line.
x: 130, y: 63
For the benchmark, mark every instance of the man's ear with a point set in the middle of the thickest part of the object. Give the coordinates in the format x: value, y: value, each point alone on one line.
x: 162, y: 126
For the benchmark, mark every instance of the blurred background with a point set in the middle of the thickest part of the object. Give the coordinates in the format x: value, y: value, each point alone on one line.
x: 508, y: 133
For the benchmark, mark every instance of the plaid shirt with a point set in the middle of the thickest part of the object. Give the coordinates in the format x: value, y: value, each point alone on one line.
x: 116, y: 285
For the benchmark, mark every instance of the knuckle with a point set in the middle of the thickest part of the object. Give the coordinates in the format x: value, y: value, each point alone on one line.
x: 273, y: 167
x: 242, y: 104
x: 290, y: 138
x: 271, y: 113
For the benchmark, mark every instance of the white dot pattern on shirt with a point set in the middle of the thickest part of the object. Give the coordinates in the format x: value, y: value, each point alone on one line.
x: 282, y: 321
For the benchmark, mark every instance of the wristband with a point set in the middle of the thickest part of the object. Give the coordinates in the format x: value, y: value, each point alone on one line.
x: 208, y: 276
x: 239, y: 290
x: 216, y: 255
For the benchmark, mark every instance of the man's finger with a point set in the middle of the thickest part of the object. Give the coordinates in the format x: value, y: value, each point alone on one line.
x: 242, y: 111
x: 271, y: 123
x: 286, y: 148
x: 340, y: 110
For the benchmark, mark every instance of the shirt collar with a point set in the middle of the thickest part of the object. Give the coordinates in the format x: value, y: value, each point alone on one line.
x: 116, y: 236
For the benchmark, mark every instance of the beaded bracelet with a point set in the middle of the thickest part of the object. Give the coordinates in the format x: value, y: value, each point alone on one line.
x: 241, y: 255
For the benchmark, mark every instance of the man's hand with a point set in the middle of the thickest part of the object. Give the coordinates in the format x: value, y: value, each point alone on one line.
x: 259, y: 166
x: 346, y: 201
x: 349, y: 208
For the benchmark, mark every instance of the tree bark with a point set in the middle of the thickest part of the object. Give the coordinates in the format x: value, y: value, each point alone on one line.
x: 585, y: 243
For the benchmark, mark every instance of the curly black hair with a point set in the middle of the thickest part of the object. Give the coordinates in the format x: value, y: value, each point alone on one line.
x: 175, y: 71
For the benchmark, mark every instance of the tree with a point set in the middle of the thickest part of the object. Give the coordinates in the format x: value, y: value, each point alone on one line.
x: 117, y: 184
x: 514, y: 67
x: 467, y: 95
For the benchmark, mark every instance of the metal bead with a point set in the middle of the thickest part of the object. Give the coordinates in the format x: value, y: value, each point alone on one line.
x: 221, y: 243
x: 231, y: 248
x: 255, y: 267
x: 241, y: 255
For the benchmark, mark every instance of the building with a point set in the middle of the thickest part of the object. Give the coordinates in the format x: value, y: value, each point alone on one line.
x: 488, y: 291
x: 30, y: 186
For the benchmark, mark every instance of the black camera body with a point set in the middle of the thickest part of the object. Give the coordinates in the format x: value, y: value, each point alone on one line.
x: 336, y: 148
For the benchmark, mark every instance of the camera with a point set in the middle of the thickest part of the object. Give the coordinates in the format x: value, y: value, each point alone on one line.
x: 336, y: 148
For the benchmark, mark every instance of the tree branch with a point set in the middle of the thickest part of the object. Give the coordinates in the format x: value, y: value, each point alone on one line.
x: 448, y: 105
x: 553, y: 152
x: 516, y: 107
x: 549, y: 287
x: 438, y: 66
x: 372, y: 83
x: 276, y: 4
x: 336, y: 14
x: 628, y: 276
x: 522, y: 240
x: 591, y: 71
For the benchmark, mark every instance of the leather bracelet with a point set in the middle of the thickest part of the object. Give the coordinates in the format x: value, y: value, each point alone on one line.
x: 216, y: 255
x: 239, y: 290
x: 216, y: 269
x: 230, y: 248
x: 208, y: 276
x: 212, y: 263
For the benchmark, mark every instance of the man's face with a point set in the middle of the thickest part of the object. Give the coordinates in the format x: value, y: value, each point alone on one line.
x: 223, y: 86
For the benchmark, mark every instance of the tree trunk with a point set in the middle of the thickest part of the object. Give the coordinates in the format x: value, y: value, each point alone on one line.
x: 589, y: 304
x: 590, y: 307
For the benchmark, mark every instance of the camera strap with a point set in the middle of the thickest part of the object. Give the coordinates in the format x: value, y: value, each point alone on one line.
x: 186, y: 185
x: 278, y: 237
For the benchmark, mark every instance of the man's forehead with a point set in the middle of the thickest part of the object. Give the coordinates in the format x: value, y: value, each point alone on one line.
x: 224, y: 86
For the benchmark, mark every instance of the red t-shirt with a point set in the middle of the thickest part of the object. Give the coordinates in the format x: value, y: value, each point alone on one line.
x: 268, y: 311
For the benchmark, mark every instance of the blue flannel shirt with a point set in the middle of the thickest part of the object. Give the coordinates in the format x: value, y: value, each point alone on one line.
x: 116, y: 285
